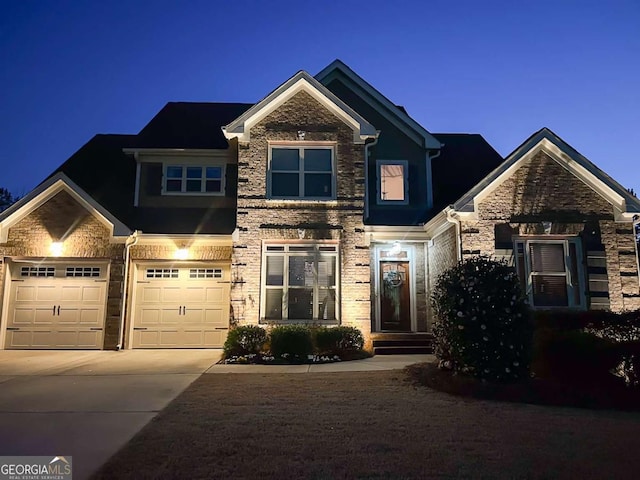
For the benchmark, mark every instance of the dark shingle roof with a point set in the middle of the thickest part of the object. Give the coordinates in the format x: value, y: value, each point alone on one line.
x: 190, y: 125
x: 465, y: 160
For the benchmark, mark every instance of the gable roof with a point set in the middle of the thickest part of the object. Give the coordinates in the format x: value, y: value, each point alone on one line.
x: 396, y: 114
x: 301, y: 81
x: 568, y: 157
x: 47, y: 190
x: 190, y: 125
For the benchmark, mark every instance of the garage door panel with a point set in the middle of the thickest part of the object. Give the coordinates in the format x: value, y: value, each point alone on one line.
x: 45, y: 293
x: 57, y: 310
x: 25, y: 293
x: 150, y: 294
x: 188, y: 309
x: 215, y: 294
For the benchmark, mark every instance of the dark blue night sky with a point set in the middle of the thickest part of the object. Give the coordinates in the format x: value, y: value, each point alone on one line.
x: 72, y: 69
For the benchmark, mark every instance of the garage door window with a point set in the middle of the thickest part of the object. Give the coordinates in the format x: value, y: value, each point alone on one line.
x: 205, y: 273
x: 37, y: 272
x: 162, y: 273
x: 83, y: 272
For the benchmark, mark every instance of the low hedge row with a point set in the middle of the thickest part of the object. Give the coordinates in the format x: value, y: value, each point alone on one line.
x: 587, y: 348
x: 293, y: 341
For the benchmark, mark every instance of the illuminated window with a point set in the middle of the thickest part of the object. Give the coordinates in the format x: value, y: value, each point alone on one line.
x: 551, y: 272
x: 193, y: 180
x: 393, y: 181
x: 306, y: 172
x: 300, y: 282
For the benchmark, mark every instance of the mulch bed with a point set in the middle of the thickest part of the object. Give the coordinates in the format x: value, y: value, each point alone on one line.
x: 539, y: 391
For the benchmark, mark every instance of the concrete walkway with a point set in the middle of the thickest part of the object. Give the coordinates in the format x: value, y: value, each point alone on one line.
x: 88, y: 404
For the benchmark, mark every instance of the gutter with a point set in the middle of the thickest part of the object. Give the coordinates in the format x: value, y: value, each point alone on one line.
x: 452, y: 217
x: 367, y: 154
x: 430, y: 176
x: 131, y: 241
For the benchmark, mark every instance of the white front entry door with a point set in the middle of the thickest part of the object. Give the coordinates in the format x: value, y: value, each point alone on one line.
x: 56, y: 306
x: 181, y: 306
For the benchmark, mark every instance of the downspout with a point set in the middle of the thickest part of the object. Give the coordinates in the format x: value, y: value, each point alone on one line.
x: 452, y: 217
x: 131, y: 241
x: 429, y: 175
x: 367, y: 153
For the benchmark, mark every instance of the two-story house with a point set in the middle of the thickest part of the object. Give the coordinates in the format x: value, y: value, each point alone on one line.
x: 322, y: 203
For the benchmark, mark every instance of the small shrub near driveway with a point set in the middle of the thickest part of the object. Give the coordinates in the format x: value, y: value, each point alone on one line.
x: 482, y: 326
x: 245, y: 340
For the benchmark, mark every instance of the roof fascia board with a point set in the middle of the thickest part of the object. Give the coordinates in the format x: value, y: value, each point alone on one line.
x: 173, y: 151
x: 47, y: 190
x: 437, y: 225
x: 391, y: 112
x: 240, y: 128
x: 184, y: 239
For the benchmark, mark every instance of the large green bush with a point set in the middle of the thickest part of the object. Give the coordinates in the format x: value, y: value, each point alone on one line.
x: 337, y: 340
x: 245, y: 340
x: 482, y: 326
x: 291, y: 340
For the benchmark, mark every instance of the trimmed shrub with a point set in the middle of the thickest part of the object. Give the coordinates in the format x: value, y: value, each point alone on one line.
x: 483, y: 327
x: 291, y: 340
x: 245, y: 340
x: 337, y: 340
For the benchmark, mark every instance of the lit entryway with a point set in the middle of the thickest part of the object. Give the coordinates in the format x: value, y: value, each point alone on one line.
x: 179, y: 306
x: 56, y: 306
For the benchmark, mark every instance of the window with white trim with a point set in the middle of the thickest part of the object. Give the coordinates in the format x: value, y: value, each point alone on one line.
x: 300, y: 282
x: 393, y: 181
x: 551, y: 272
x: 193, y: 180
x: 301, y: 172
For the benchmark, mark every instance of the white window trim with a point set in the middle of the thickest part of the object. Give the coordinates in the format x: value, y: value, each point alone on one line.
x: 405, y: 171
x: 301, y: 146
x: 582, y: 283
x: 286, y: 253
x: 203, y: 180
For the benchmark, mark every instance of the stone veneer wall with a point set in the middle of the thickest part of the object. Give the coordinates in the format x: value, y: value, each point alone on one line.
x: 260, y: 219
x: 442, y: 255
x: 62, y: 218
x: 542, y: 189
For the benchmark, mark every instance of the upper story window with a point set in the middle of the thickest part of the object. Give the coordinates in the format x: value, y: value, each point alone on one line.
x: 551, y: 272
x: 193, y: 180
x: 301, y: 172
x: 393, y: 184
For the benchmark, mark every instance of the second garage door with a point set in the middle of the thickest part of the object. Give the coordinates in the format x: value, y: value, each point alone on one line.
x: 181, y: 306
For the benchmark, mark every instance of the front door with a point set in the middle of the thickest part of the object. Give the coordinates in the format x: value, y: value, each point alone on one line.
x: 395, y: 297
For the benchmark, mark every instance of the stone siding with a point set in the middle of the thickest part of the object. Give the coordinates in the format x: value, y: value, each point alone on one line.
x: 542, y: 190
x: 442, y: 255
x: 340, y: 220
x: 61, y: 218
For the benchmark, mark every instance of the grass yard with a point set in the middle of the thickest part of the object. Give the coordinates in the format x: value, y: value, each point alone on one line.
x: 371, y: 425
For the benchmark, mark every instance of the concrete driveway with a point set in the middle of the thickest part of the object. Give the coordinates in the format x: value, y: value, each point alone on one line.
x: 88, y: 404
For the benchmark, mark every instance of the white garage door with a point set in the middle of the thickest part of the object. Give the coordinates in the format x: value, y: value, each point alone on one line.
x: 56, y: 306
x: 181, y: 307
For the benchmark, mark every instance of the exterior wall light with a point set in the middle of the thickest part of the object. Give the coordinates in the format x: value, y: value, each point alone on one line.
x: 546, y: 225
x: 395, y: 250
x: 181, y: 254
x: 56, y: 249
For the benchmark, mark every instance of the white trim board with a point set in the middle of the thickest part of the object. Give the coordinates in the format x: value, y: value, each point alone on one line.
x: 240, y: 128
x: 47, y: 190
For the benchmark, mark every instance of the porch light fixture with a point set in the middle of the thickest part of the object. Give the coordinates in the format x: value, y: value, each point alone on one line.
x: 56, y: 249
x: 181, y: 254
x: 395, y: 250
x: 546, y: 225
x: 301, y: 134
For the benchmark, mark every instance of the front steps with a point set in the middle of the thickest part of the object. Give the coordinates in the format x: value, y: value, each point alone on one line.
x: 389, y: 343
